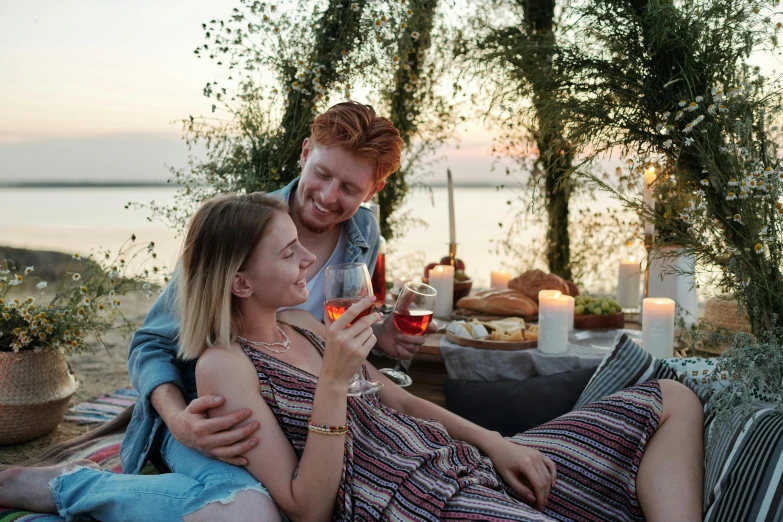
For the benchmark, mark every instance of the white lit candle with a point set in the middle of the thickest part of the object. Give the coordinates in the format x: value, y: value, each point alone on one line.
x: 649, y: 178
x: 442, y: 280
x: 553, y: 322
x: 499, y: 279
x: 629, y: 283
x: 658, y: 327
x: 399, y: 282
x: 452, y: 232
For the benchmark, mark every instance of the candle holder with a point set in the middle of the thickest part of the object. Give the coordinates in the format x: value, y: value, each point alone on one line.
x: 453, y: 255
x: 648, y: 239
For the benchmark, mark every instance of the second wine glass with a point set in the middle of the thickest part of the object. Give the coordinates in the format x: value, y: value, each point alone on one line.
x: 345, y: 285
x: 412, y: 315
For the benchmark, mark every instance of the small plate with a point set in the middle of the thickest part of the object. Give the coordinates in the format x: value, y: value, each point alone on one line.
x: 491, y: 345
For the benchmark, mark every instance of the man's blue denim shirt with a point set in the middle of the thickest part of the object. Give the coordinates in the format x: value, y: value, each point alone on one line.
x: 152, y: 359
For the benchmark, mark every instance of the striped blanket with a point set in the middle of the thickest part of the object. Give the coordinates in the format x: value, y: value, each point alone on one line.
x: 103, y: 409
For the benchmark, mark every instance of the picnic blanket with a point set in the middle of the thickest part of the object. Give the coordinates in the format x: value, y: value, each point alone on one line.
x: 103, y: 409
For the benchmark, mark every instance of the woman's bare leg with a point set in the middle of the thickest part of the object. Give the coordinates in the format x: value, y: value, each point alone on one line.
x: 670, y: 481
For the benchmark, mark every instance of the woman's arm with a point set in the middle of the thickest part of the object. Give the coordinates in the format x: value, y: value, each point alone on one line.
x: 304, y: 489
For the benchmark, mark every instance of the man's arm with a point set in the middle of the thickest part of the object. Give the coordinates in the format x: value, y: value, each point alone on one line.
x: 156, y: 376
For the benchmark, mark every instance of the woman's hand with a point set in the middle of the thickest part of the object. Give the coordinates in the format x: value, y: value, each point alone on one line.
x: 529, y: 472
x: 348, y: 341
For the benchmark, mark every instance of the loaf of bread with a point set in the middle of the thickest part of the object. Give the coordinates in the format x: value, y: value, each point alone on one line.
x: 500, y: 302
x: 533, y: 281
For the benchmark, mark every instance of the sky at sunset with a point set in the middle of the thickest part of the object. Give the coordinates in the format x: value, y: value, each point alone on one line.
x: 91, y: 90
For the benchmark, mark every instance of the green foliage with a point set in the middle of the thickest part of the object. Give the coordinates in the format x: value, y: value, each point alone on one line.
x: 284, y: 64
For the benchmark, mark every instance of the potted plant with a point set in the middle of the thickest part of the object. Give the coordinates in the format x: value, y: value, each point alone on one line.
x: 38, y: 331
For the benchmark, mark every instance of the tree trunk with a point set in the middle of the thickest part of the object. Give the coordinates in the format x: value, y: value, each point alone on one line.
x: 555, y: 156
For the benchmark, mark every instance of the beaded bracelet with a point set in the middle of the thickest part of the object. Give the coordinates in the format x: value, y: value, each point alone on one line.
x: 324, y: 429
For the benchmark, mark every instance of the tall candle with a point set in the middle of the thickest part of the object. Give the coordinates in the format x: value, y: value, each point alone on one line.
x: 554, y: 312
x: 499, y: 279
x: 649, y: 178
x: 628, y: 283
x: 658, y: 327
x: 452, y: 232
x: 442, y: 280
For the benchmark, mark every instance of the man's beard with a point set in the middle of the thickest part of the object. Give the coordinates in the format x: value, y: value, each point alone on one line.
x: 312, y: 227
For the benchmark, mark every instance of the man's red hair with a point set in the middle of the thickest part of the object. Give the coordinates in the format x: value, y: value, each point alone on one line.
x: 361, y: 132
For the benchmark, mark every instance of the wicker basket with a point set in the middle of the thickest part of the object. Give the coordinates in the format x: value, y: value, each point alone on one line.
x: 721, y: 312
x: 35, y: 388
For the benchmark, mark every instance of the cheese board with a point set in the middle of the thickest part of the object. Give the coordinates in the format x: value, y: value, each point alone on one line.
x: 486, y: 344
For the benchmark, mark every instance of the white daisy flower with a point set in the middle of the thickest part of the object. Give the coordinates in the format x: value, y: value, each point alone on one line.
x: 711, y: 108
x: 77, y: 257
x: 759, y: 248
x: 678, y: 115
x: 688, y: 128
x: 722, y: 108
x: 682, y: 103
x: 28, y: 270
x: 705, y: 182
x: 689, y: 141
x: 409, y: 116
x: 743, y: 194
x: 738, y: 218
x: 666, y: 115
x: 732, y: 182
x: 692, y: 106
x: 76, y: 277
x: 667, y: 144
x: 699, y: 99
x: 354, y: 7
x: 415, y: 35
x: 731, y: 196
x: 41, y: 285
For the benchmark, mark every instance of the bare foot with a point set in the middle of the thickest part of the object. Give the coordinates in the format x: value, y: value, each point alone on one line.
x: 28, y: 488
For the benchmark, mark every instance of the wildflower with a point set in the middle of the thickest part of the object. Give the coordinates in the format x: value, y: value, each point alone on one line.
x: 667, y: 144
x: 732, y: 182
x: 722, y: 108
x: 80, y: 311
x: 759, y: 248
x: 779, y: 205
x: 415, y: 35
x: 682, y: 103
x: 85, y: 301
x: 396, y: 59
x: 276, y: 30
x: 768, y: 171
x: 409, y: 116
x: 705, y: 182
x: 28, y: 270
x: 699, y: 99
x: 688, y: 141
x: 763, y: 231
x: 731, y: 196
x: 692, y: 106
x: 116, y: 303
x: 77, y: 257
x: 678, y: 115
x: 743, y: 194
x: 666, y: 115
x: 688, y: 128
x: 76, y: 277
x: 355, y: 7
x: 15, y: 281
x: 711, y: 108
x: 403, y: 25
x: 685, y: 217
x: 737, y: 218
x: 378, y: 22
x: 409, y: 12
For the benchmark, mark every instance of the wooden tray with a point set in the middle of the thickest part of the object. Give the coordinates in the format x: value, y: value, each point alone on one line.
x: 463, y: 314
x: 597, y: 322
x: 491, y: 345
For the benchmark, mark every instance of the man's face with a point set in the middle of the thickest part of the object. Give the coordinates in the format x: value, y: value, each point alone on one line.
x: 333, y: 185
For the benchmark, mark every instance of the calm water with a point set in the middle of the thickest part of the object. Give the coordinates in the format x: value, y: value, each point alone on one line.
x: 79, y: 219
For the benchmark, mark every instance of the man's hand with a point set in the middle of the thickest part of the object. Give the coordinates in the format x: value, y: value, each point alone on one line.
x: 217, y: 437
x: 528, y: 471
x: 397, y: 344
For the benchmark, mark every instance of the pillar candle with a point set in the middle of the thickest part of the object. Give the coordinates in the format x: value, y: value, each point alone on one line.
x: 442, y: 280
x: 629, y: 283
x: 658, y: 327
x: 399, y: 282
x: 649, y: 178
x: 499, y: 279
x: 554, y: 313
x: 452, y: 231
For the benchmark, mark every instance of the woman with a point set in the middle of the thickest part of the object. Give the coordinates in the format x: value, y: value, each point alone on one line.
x: 323, y: 454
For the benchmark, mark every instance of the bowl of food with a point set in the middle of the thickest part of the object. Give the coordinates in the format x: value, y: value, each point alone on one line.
x: 597, y: 312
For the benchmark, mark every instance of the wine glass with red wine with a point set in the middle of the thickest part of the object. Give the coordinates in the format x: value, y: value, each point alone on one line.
x: 412, y: 315
x: 347, y: 284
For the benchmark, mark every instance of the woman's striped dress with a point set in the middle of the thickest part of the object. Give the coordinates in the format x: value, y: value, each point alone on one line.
x: 401, y: 468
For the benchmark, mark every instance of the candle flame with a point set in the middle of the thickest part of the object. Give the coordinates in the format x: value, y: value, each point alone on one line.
x: 632, y: 259
x: 659, y: 301
x: 403, y: 278
x: 439, y: 268
x: 557, y: 295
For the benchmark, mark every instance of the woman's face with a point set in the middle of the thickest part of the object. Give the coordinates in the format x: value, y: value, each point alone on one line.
x: 276, y: 273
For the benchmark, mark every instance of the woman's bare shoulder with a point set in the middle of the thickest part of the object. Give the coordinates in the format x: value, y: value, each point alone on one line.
x: 218, y: 362
x: 302, y: 319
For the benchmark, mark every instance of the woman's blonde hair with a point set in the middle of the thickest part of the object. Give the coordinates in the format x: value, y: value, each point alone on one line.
x: 221, y: 237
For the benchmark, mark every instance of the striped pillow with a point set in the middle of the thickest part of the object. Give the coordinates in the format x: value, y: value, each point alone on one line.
x: 742, y: 479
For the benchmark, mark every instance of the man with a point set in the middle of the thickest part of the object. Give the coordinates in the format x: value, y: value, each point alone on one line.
x: 345, y: 161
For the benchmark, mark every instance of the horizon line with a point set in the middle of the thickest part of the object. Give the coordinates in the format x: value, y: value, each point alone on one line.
x: 155, y: 184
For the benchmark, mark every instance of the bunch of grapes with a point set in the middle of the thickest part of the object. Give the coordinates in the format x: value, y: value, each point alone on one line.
x: 596, y: 306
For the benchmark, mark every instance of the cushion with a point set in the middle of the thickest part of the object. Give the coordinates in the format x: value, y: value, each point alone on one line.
x: 511, y: 407
x: 743, y: 469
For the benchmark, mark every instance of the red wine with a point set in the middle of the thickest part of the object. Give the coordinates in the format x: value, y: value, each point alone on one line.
x: 412, y: 322
x: 337, y: 307
x: 379, y: 280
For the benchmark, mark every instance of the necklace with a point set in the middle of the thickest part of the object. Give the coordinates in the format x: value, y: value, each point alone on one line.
x: 285, y: 344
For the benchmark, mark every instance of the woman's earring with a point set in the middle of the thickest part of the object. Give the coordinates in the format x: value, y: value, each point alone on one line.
x: 248, y: 294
